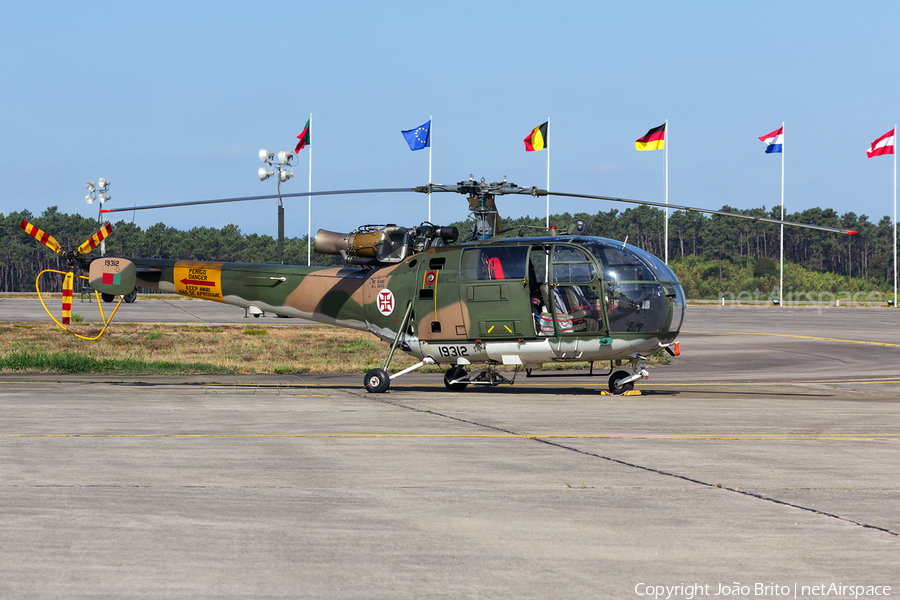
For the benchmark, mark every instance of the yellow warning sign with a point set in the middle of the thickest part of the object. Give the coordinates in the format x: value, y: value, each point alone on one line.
x: 199, y: 279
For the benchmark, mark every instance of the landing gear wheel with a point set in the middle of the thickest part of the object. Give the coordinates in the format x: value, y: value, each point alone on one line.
x: 130, y: 297
x: 614, y: 380
x: 455, y: 373
x: 107, y: 297
x: 377, y: 381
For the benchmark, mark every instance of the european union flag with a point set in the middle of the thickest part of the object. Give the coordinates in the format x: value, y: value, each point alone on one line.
x: 420, y: 137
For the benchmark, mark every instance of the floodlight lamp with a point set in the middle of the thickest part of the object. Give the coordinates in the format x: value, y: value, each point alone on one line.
x: 89, y: 186
x: 103, y: 197
x: 264, y: 174
x: 102, y: 183
x: 285, y: 157
x: 284, y: 175
x: 265, y: 155
x: 89, y: 199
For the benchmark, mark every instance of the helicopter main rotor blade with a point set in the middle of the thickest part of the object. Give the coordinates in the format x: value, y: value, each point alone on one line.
x: 480, y: 188
x: 265, y: 197
x: 700, y: 210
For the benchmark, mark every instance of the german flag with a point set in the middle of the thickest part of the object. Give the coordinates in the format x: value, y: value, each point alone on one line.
x: 654, y: 140
x: 537, y: 139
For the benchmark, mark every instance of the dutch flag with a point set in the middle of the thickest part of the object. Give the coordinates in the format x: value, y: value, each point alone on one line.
x: 773, y: 140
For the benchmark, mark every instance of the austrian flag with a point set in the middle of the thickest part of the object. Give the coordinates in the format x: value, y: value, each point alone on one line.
x: 773, y: 141
x: 883, y: 145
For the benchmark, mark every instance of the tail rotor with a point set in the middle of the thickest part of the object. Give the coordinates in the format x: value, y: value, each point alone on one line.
x: 79, y: 256
x: 41, y: 236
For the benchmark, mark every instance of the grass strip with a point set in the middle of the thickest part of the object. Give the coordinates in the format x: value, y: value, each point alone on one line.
x: 59, y: 362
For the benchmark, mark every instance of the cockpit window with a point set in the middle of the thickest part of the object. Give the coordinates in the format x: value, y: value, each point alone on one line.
x: 635, y: 307
x: 572, y: 265
x: 620, y: 263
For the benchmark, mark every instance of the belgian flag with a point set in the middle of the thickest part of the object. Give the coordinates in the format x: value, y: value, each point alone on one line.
x: 654, y: 140
x: 537, y: 139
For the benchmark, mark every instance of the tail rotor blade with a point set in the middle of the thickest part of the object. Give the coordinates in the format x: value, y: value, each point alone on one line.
x: 41, y: 236
x: 95, y: 239
x: 67, y: 298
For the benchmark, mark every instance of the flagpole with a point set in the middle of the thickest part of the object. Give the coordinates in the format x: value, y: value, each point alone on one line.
x: 781, y: 274
x: 895, y: 216
x: 430, y: 146
x: 547, y: 147
x: 666, y: 147
x: 309, y: 203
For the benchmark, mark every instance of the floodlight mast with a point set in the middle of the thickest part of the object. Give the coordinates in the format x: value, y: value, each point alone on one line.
x: 98, y: 191
x: 283, y: 168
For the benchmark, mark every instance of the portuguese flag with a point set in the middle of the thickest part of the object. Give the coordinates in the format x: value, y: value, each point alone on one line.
x: 537, y: 139
x: 655, y: 139
x: 304, y: 138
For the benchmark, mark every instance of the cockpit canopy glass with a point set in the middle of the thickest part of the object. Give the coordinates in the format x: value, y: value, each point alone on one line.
x: 663, y: 272
x: 620, y: 262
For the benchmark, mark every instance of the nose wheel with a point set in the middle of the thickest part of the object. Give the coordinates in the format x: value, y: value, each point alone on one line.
x: 377, y: 381
x: 622, y: 382
x: 615, y: 382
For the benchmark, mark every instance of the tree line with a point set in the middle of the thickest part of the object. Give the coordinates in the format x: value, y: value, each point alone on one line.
x: 867, y: 255
x: 723, y: 240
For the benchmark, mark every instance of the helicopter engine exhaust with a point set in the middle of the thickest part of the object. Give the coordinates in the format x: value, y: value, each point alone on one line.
x: 369, y: 245
x: 382, y: 245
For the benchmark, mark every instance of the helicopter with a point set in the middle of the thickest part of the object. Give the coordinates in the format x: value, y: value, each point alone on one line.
x: 472, y: 305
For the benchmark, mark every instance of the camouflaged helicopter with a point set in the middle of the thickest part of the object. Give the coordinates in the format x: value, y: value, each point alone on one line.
x: 486, y: 300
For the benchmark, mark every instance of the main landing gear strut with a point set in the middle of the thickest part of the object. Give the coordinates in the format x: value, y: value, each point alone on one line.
x: 378, y: 380
x: 457, y: 378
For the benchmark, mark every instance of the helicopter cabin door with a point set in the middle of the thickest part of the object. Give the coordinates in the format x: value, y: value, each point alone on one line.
x: 438, y: 309
x: 495, y: 291
x: 570, y: 299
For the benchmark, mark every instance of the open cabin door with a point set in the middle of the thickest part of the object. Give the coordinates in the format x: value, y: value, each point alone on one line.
x: 569, y: 291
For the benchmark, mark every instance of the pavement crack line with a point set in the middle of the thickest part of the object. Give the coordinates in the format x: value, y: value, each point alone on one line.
x: 175, y: 305
x: 636, y: 466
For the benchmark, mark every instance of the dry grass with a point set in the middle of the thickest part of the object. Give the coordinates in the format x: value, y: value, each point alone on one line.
x: 244, y: 349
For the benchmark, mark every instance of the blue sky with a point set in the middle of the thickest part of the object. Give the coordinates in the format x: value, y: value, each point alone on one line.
x: 172, y: 101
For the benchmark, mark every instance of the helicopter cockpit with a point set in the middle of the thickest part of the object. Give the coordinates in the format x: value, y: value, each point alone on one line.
x: 569, y: 279
x: 638, y: 285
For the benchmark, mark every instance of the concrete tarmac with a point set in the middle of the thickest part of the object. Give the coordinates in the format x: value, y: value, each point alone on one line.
x: 765, y: 455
